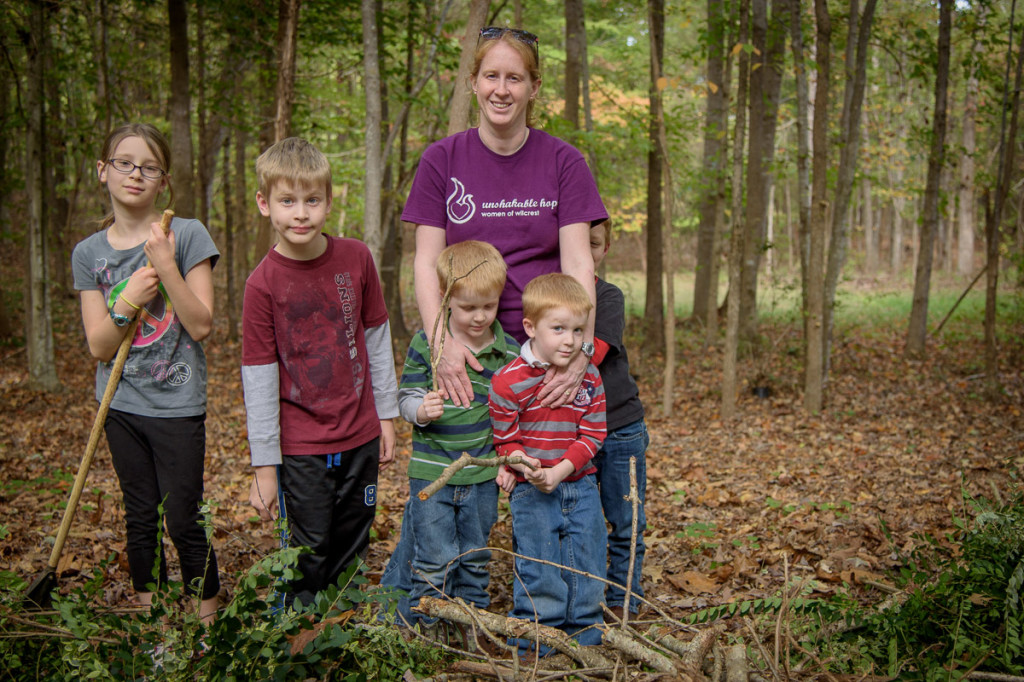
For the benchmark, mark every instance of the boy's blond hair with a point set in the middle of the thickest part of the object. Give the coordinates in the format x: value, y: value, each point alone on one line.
x: 295, y: 160
x: 555, y: 290
x: 476, y: 267
x: 607, y: 225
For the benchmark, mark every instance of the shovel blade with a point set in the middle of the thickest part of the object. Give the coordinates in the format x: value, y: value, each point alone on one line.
x: 38, y: 593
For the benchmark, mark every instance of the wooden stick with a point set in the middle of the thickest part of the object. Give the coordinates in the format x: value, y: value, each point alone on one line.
x: 438, y: 348
x: 550, y: 637
x: 464, y: 461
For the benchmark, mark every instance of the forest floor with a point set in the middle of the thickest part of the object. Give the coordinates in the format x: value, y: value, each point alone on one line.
x: 734, y: 508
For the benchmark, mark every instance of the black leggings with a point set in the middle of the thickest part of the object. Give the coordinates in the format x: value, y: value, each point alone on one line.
x: 161, y: 459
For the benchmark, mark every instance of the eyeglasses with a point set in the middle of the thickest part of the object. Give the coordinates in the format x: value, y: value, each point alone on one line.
x: 125, y: 166
x: 525, y: 37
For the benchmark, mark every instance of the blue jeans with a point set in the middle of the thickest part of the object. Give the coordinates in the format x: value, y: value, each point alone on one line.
x: 563, y: 527
x: 434, y: 554
x: 612, y: 462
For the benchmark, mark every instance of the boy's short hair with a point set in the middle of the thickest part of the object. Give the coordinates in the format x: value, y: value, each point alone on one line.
x: 477, y: 268
x: 607, y: 225
x: 295, y: 160
x: 555, y: 290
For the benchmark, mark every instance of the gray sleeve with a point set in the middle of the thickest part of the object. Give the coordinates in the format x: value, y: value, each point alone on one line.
x: 262, y: 392
x: 409, y: 401
x: 382, y: 370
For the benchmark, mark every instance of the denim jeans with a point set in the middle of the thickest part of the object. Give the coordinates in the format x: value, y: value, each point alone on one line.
x: 612, y: 462
x: 455, y: 520
x: 563, y: 527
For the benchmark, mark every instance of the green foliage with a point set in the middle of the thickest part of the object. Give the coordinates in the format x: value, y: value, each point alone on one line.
x: 963, y: 608
x: 253, y: 637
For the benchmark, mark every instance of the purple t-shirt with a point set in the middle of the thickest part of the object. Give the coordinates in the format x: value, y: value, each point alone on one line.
x: 516, y: 202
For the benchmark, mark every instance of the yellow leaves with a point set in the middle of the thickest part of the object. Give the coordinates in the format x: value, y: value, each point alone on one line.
x: 661, y: 83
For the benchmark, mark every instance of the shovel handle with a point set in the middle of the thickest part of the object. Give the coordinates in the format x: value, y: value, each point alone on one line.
x: 97, y: 426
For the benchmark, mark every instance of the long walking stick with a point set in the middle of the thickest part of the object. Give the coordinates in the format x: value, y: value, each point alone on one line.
x: 38, y: 593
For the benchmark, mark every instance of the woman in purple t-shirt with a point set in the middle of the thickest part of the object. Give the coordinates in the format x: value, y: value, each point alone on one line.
x: 529, y: 194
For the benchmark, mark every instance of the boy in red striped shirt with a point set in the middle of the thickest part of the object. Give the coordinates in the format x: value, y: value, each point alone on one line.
x: 558, y: 517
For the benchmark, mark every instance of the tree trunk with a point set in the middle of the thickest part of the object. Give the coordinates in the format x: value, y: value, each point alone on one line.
x: 729, y: 358
x: 917, y: 332
x: 239, y: 263
x: 712, y: 201
x: 803, y: 148
x: 372, y: 228
x: 966, y: 208
x: 180, y: 107
x: 870, y: 228
x: 768, y: 36
x: 994, y: 217
x: 573, y: 60
x: 814, y: 376
x: 287, y: 45
x: 462, y: 98
x: 654, y: 332
x: 853, y: 101
x: 42, y: 374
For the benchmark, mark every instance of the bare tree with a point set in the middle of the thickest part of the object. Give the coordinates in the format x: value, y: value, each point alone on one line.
x: 654, y: 317
x: 287, y: 44
x: 374, y: 170
x: 181, y: 108
x: 573, y: 60
x: 994, y: 212
x: 732, y: 321
x: 38, y: 327
x: 814, y: 367
x: 462, y: 104
x: 966, y: 203
x: 849, y: 151
x: 768, y: 38
x: 917, y: 331
x: 803, y: 145
x: 712, y: 201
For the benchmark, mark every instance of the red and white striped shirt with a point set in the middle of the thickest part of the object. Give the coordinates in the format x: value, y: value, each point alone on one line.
x: 572, y: 432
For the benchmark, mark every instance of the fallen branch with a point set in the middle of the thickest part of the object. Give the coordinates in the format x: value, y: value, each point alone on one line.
x: 617, y: 638
x: 457, y: 612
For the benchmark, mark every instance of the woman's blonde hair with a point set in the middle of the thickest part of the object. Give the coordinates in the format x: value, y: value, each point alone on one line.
x: 157, y: 144
x: 528, y: 54
x: 554, y: 290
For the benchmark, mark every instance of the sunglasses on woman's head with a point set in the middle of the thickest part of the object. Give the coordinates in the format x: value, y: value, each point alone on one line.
x: 495, y: 32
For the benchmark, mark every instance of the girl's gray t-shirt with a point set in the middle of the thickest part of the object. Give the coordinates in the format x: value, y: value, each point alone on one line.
x: 165, y: 374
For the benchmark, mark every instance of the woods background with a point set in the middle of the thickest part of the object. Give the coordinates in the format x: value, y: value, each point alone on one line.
x: 697, y: 119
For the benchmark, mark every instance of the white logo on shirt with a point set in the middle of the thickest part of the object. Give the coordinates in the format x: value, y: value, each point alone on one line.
x: 460, y: 205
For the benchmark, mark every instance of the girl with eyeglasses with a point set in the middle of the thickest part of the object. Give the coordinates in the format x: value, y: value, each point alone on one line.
x: 156, y: 428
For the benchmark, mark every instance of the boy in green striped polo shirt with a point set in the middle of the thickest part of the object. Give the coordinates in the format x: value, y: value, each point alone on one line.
x: 438, y: 532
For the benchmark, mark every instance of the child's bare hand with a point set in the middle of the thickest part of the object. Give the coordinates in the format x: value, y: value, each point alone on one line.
x: 159, y: 249
x: 263, y: 492
x: 142, y: 286
x: 387, y: 443
x: 432, y: 407
x: 506, y: 480
x: 520, y: 466
x: 546, y: 480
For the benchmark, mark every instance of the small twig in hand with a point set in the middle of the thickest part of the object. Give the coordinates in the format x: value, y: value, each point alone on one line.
x: 437, y: 348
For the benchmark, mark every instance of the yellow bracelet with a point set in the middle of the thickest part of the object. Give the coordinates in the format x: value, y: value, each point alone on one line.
x: 131, y: 305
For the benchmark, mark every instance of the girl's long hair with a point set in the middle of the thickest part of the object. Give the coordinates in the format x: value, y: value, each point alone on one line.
x: 157, y: 144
